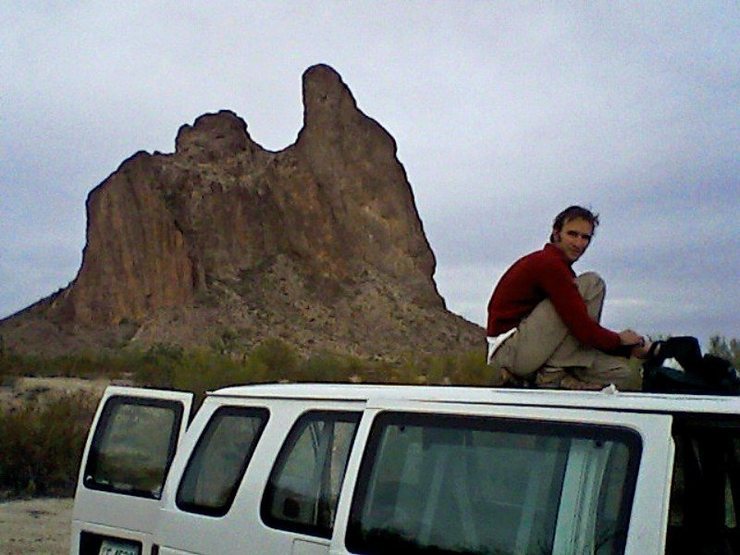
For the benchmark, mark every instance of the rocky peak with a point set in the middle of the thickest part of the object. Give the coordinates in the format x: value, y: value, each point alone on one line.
x: 328, y: 104
x: 214, y: 137
x: 320, y: 243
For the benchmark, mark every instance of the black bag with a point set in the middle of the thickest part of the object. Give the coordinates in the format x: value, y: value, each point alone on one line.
x: 702, y: 375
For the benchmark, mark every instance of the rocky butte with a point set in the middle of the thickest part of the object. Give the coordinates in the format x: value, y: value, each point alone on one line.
x: 319, y: 244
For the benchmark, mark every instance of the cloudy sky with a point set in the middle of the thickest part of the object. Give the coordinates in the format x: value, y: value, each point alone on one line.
x: 504, y: 113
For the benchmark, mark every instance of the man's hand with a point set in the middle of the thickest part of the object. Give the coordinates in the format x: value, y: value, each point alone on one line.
x: 641, y: 351
x: 640, y: 347
x: 631, y: 338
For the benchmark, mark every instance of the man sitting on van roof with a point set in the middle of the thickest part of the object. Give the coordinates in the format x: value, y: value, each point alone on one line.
x: 543, y: 321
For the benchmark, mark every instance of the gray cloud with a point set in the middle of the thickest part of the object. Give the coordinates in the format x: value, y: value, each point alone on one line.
x: 503, y: 113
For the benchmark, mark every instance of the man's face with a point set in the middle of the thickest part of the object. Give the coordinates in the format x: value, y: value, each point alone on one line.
x: 574, y: 238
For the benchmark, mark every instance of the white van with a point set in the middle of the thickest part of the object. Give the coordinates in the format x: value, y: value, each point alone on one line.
x: 312, y: 469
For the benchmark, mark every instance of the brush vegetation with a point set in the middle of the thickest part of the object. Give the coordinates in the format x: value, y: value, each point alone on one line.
x: 43, y: 438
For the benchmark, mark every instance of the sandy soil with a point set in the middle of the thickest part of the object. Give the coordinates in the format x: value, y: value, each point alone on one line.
x: 35, y: 526
x: 25, y: 389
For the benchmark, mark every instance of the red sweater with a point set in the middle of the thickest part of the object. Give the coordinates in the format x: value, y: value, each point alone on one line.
x: 535, y: 277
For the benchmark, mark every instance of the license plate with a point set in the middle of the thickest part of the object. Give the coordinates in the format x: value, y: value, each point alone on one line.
x: 110, y: 547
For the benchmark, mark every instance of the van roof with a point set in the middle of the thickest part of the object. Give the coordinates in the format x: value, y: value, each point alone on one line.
x: 607, y: 399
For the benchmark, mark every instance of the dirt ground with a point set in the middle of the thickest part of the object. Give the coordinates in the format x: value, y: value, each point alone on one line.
x: 27, y: 390
x: 35, y: 526
x: 38, y: 525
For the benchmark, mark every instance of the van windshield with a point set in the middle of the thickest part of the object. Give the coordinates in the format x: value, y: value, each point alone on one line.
x: 473, y: 485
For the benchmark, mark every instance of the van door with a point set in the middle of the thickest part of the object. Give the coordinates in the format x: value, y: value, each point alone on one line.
x: 128, y: 453
x: 447, y: 478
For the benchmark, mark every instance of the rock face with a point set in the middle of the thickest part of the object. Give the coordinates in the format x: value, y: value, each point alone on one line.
x: 319, y: 244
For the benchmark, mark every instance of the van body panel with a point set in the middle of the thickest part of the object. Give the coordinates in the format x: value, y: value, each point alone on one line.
x: 170, y: 551
x: 309, y: 547
x: 603, y: 400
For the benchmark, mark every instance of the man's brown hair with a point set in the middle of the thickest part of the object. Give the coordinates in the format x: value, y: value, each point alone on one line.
x: 573, y: 213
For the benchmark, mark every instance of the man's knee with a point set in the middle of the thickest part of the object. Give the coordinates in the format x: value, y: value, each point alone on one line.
x: 590, y: 282
x: 593, y: 290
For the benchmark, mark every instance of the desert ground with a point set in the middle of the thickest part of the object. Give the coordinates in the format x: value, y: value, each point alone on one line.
x: 39, y: 525
x: 35, y: 526
x: 22, y: 390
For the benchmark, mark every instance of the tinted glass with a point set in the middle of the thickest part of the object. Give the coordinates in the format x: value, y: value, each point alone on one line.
x: 303, y: 489
x: 133, y: 446
x: 705, y: 495
x: 218, y: 462
x: 441, y: 484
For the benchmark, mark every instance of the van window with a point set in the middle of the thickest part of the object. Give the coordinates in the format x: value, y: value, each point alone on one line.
x: 303, y: 489
x: 219, y: 460
x: 133, y: 446
x: 456, y: 484
x: 705, y: 495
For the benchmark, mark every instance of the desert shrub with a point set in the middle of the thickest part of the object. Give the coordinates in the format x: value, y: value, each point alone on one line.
x: 471, y: 369
x: 77, y: 365
x: 436, y: 370
x: 200, y: 370
x: 468, y: 368
x: 728, y: 349
x: 203, y: 370
x: 326, y: 367
x: 227, y: 341
x: 156, y: 366
x: 42, y: 445
x: 278, y: 360
x: 69, y: 365
x: 8, y: 366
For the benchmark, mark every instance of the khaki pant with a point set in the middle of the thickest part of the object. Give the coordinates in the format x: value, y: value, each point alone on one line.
x: 543, y: 351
